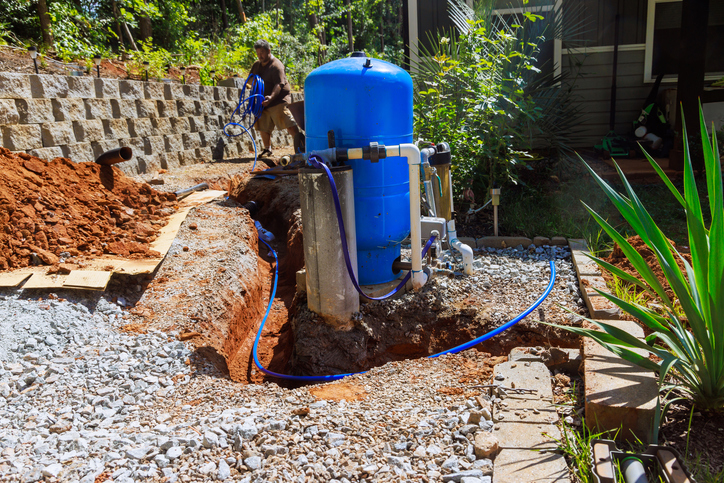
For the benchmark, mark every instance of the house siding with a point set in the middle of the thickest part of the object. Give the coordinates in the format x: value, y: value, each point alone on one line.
x: 593, y: 86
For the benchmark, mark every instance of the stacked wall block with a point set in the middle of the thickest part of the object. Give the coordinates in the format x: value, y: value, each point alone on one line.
x: 166, y: 125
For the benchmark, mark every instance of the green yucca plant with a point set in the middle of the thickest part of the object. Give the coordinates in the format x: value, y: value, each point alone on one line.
x: 691, y: 351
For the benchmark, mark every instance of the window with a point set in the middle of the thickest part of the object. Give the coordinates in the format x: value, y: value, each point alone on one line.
x: 663, y: 37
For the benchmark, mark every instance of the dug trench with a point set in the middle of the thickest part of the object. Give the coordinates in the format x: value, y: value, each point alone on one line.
x: 218, y: 278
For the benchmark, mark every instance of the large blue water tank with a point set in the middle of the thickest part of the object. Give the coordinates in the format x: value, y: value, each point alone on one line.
x: 367, y: 100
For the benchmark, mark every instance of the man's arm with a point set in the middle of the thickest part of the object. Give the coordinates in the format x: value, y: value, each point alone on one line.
x: 280, y: 81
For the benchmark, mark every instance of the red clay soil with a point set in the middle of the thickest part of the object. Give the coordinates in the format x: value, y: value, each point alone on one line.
x: 83, y: 209
x: 618, y: 259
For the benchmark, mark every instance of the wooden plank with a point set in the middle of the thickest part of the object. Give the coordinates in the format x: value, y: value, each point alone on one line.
x: 13, y: 279
x: 43, y: 280
x: 87, y: 279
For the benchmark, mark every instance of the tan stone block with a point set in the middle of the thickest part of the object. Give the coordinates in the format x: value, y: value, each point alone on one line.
x: 147, y: 108
x: 49, y: 86
x: 188, y: 157
x: 131, y: 90
x: 167, y: 108
x: 191, y: 91
x: 212, y: 123
x: 619, y: 394
x: 197, y: 123
x: 101, y: 147
x: 191, y: 140
x: 115, y: 128
x: 541, y: 240
x: 154, y: 90
x: 35, y: 111
x: 8, y: 112
x: 161, y: 126
x: 206, y: 93
x: 203, y: 155
x: 573, y: 243
x: 124, y: 108
x: 138, y: 145
x: 80, y: 87
x: 98, y: 109
x: 57, y: 133
x: 71, y: 109
x: 187, y: 107
x: 89, y: 131
x: 141, y: 127
x: 14, y: 86
x: 486, y: 445
x: 169, y: 160
x: 174, y: 92
x: 154, y: 145
x: 174, y: 142
x: 47, y: 153
x: 107, y: 88
x: 180, y: 125
x: 79, y: 152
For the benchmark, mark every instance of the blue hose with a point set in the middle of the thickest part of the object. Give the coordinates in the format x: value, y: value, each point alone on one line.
x: 252, y: 110
x: 336, y: 377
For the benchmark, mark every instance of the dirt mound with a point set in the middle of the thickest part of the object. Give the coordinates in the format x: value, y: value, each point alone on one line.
x: 83, y: 209
x: 619, y: 260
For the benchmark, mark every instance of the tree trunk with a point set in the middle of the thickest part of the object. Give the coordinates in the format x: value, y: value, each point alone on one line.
x: 692, y: 57
x: 224, y: 17
x: 350, y: 37
x: 145, y: 25
x: 129, y: 36
x: 383, y: 20
x: 240, y: 8
x: 45, y: 23
x: 116, y: 22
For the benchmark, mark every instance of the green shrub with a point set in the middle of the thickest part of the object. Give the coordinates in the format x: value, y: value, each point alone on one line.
x: 691, y: 348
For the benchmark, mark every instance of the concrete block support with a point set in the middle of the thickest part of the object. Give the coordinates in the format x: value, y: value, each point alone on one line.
x: 35, y: 111
x: 71, y: 109
x: 192, y: 140
x: 14, y: 86
x: 619, y: 394
x: 330, y: 292
x: 174, y: 142
x: 57, y: 133
x: 180, y: 125
x: 161, y: 126
x: 204, y: 155
x: 21, y: 137
x: 188, y: 157
x: 188, y: 107
x: 197, y: 123
x: 8, y: 112
x: 89, y: 131
x: 154, y: 145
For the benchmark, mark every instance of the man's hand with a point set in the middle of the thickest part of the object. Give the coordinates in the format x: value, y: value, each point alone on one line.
x: 266, y: 101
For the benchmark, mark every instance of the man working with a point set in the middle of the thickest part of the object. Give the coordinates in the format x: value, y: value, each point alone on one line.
x: 277, y: 95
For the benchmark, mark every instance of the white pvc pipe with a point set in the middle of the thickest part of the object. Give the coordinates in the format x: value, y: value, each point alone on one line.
x: 412, y: 154
x: 466, y: 251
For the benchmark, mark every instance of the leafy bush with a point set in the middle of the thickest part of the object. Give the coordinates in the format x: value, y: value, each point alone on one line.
x: 157, y: 58
x: 691, y: 349
x: 481, y: 89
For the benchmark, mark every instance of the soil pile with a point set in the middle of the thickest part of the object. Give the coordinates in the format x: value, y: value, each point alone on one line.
x: 59, y: 208
x: 618, y: 259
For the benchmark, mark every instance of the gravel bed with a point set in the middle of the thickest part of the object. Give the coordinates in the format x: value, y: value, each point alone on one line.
x: 83, y: 400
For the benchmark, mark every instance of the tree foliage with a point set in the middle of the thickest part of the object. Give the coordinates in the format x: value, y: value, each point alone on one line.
x: 304, y: 33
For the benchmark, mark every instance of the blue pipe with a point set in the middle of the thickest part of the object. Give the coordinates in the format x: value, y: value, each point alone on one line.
x: 454, y: 350
x: 253, y: 109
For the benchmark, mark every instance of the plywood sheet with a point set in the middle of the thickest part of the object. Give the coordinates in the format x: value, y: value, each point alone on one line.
x: 87, y: 279
x: 13, y: 279
x: 95, y: 273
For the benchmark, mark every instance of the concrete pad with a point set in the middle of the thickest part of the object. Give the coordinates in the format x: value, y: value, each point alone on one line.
x: 619, y: 394
x: 584, y: 265
x: 384, y: 288
x: 523, y: 466
x: 562, y: 359
x: 535, y: 376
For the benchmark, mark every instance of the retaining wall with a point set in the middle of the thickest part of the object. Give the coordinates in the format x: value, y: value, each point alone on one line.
x: 167, y: 125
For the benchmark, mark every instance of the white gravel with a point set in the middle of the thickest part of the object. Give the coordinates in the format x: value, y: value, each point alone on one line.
x: 82, y: 401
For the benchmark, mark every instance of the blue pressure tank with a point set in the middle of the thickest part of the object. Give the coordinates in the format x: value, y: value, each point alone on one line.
x: 367, y: 100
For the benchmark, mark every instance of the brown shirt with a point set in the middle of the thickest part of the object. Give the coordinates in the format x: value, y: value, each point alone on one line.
x: 273, y: 75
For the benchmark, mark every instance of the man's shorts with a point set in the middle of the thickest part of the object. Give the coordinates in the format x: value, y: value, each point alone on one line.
x: 279, y: 116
